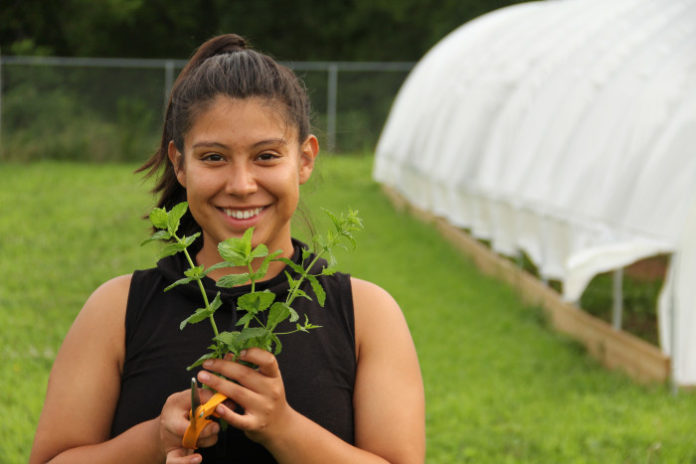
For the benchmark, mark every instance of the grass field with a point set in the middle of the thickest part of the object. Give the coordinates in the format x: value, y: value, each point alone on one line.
x: 501, y: 386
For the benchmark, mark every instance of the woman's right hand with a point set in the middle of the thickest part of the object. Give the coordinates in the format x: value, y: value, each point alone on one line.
x: 174, y: 419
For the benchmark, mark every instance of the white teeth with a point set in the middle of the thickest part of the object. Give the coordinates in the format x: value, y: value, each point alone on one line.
x: 242, y: 213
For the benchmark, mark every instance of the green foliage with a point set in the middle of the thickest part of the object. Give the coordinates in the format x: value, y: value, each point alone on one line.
x: 385, y: 30
x: 85, y: 114
x: 237, y: 252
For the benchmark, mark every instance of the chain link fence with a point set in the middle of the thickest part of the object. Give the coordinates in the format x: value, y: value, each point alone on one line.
x: 109, y: 109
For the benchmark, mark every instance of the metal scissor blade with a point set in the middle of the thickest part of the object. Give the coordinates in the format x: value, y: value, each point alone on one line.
x: 195, y: 397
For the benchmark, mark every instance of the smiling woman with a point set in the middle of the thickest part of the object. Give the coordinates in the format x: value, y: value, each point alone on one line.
x: 236, y: 146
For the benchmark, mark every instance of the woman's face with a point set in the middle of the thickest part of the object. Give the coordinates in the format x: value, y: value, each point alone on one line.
x: 242, y: 167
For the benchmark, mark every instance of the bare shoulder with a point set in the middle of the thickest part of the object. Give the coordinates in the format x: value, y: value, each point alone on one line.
x: 108, y: 302
x: 114, y: 288
x: 368, y: 295
x: 101, y: 321
x: 375, y: 310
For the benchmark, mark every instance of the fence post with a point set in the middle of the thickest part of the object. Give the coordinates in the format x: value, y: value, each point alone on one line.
x: 1, y: 147
x: 331, y: 107
x: 168, y: 81
x: 618, y: 299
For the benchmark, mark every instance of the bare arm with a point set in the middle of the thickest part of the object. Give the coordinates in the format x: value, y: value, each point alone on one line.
x: 83, y: 390
x: 388, y: 397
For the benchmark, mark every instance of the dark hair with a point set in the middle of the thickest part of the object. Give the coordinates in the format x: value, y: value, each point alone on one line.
x: 223, y: 65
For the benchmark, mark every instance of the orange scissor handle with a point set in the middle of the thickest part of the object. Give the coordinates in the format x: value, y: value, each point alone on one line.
x: 199, y: 419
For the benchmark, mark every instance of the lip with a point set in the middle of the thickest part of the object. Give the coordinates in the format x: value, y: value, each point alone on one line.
x: 242, y: 217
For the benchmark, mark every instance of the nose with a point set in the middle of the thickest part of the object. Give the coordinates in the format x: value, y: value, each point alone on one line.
x: 240, y: 180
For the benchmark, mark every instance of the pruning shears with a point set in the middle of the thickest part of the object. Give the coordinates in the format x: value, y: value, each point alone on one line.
x: 200, y: 414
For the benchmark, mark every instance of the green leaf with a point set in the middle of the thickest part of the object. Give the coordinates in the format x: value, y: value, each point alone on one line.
x: 256, y: 301
x: 246, y: 240
x: 318, y: 289
x: 293, y: 265
x: 232, y: 280
x: 248, y: 337
x: 200, y: 315
x: 227, y: 338
x: 237, y: 250
x: 194, y: 272
x: 328, y: 271
x: 158, y: 218
x: 307, y: 326
x: 216, y: 303
x: 260, y: 251
x: 245, y: 319
x: 188, y: 240
x: 263, y: 269
x: 278, y: 313
x: 183, y: 281
x: 293, y: 315
x: 291, y: 281
x: 171, y: 249
x: 278, y: 345
x: 303, y: 294
x: 159, y: 235
x: 306, y: 253
x: 202, y: 359
x: 174, y: 216
x: 217, y: 266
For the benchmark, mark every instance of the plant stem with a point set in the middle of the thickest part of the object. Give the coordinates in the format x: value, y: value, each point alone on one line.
x: 293, y: 291
x: 201, y: 287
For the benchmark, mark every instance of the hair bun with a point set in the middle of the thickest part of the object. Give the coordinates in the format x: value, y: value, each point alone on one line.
x: 227, y: 43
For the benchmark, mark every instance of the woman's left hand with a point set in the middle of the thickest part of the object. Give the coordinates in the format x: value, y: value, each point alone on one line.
x: 260, y: 392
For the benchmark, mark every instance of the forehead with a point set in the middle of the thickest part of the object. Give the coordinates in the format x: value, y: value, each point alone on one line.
x: 245, y: 119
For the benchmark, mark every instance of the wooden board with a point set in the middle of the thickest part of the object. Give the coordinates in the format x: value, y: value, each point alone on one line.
x: 614, y: 348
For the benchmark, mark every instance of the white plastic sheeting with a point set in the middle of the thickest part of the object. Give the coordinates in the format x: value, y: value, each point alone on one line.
x: 566, y: 129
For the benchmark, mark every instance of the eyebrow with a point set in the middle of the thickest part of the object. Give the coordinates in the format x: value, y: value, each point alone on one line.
x: 206, y: 143
x: 279, y: 140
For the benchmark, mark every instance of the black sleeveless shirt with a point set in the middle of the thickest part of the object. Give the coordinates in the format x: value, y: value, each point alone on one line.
x: 318, y: 368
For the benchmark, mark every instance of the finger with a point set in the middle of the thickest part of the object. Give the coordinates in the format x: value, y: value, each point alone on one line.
x: 209, y: 435
x: 234, y: 419
x: 230, y: 370
x: 267, y: 362
x: 237, y: 392
x: 183, y: 456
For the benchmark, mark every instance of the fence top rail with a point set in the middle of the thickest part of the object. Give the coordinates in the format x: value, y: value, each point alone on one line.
x: 162, y: 62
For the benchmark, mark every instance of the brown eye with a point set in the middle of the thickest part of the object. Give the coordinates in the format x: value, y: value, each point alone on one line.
x: 212, y: 157
x: 267, y: 156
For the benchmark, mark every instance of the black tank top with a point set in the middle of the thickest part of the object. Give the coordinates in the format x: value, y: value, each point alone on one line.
x: 318, y: 368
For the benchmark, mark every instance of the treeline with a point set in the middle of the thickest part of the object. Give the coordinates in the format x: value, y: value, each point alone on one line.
x: 370, y: 30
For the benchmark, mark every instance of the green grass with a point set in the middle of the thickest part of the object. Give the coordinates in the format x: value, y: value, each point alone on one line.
x: 501, y: 386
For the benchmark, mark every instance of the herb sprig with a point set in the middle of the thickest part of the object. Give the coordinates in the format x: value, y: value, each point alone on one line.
x: 255, y: 330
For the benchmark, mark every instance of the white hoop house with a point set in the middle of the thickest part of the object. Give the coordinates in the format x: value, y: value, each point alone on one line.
x: 566, y: 129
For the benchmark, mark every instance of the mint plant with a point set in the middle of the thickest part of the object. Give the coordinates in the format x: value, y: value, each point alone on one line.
x: 255, y: 330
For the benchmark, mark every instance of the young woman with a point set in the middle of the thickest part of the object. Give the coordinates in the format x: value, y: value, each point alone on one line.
x: 236, y: 145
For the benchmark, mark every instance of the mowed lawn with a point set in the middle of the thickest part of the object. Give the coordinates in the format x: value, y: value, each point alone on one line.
x: 501, y: 386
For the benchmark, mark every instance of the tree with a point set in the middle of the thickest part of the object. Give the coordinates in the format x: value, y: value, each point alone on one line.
x: 385, y: 30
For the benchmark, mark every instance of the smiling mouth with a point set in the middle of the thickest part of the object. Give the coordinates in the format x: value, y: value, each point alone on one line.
x: 242, y: 213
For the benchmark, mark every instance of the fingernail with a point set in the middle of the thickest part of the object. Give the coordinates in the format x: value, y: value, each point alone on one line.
x: 243, y: 353
x: 203, y: 376
x: 195, y: 460
x: 207, y: 364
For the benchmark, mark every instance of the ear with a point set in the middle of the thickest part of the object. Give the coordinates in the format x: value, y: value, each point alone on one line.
x: 177, y: 160
x: 308, y: 153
